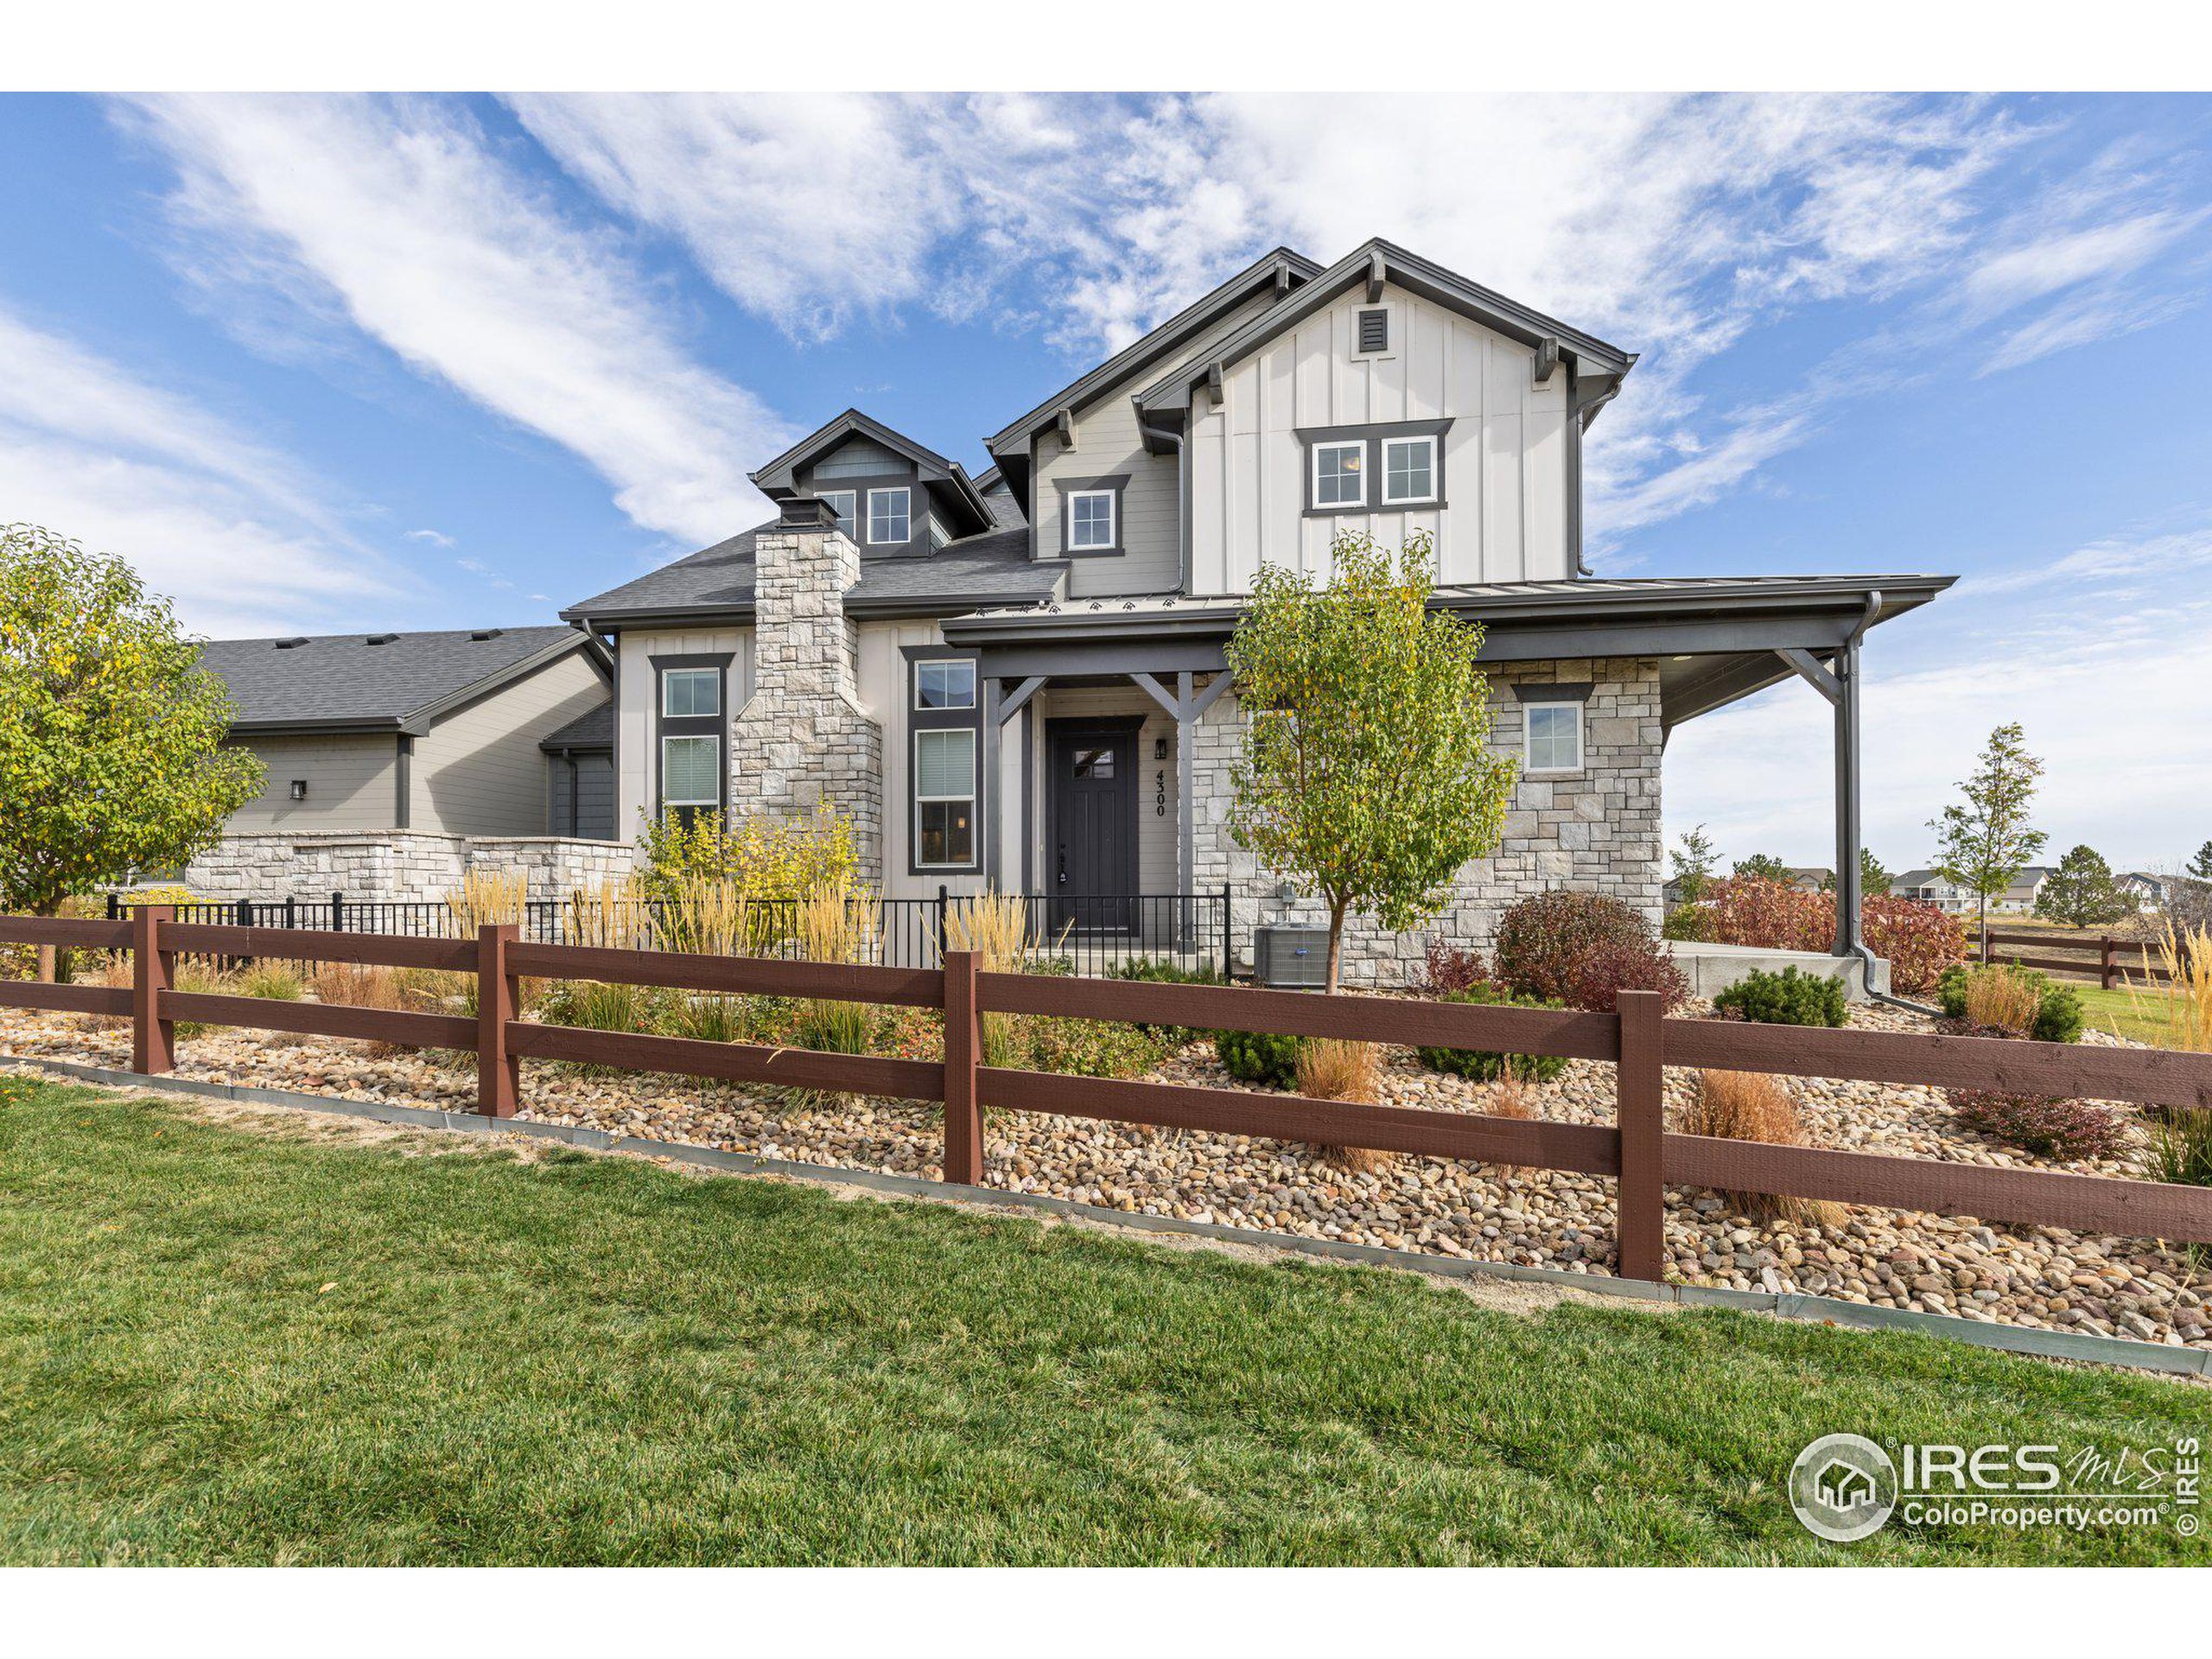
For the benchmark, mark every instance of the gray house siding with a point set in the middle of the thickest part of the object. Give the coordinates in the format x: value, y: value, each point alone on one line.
x: 580, y: 795
x: 479, y: 772
x: 351, y: 784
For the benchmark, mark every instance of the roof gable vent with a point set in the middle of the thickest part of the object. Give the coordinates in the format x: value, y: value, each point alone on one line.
x: 481, y: 634
x: 293, y: 644
x: 379, y: 639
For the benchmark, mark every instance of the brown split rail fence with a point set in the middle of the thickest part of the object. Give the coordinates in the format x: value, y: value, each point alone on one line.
x: 1637, y: 1152
x: 2107, y: 961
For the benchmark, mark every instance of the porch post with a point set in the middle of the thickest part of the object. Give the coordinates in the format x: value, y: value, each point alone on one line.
x: 993, y: 838
x: 1187, y: 846
x: 1848, y: 895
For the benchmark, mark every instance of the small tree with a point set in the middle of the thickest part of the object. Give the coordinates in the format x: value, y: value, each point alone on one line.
x: 1765, y: 866
x: 112, y: 756
x: 1874, y: 877
x: 2080, y: 892
x: 1985, y: 842
x: 1693, y: 860
x: 1366, y: 776
x: 2201, y: 866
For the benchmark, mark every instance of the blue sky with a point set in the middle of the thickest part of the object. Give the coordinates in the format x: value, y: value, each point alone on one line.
x: 322, y: 363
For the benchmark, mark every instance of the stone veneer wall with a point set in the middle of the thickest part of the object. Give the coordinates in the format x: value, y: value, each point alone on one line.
x: 804, y: 737
x: 1598, y: 829
x: 396, y: 864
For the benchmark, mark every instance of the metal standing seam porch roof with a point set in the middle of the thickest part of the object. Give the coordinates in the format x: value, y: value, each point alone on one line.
x: 395, y: 683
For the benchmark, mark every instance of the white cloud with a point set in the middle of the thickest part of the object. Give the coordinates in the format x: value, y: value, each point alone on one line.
x: 231, y: 529
x: 397, y: 215
x: 436, y: 539
x: 2058, y: 261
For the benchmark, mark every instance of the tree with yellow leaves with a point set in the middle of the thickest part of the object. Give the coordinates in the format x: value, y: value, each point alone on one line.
x: 111, y: 755
x: 1366, y: 777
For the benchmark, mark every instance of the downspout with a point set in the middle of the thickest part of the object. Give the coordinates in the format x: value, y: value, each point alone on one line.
x: 1855, y: 942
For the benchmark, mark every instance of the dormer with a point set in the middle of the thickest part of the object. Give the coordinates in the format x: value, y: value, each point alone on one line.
x: 894, y: 497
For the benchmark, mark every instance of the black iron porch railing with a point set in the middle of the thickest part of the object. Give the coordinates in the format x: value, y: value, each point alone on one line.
x: 1091, y: 935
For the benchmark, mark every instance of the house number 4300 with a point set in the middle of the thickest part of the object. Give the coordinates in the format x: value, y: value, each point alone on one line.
x: 1160, y: 793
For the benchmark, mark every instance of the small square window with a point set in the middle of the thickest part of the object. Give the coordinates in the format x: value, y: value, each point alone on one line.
x: 691, y: 693
x: 1339, y: 471
x: 1094, y: 763
x: 945, y: 685
x: 841, y: 502
x: 1410, y: 469
x: 1555, y: 736
x: 890, y: 516
x: 1091, y: 521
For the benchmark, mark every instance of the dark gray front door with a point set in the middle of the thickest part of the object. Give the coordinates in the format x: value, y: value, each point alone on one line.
x: 1091, y: 867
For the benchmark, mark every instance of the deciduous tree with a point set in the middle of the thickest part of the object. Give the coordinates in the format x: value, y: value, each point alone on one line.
x: 1693, y: 859
x: 1366, y: 776
x: 1986, y: 840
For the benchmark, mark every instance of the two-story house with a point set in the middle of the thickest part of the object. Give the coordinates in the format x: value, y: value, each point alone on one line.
x: 1017, y: 679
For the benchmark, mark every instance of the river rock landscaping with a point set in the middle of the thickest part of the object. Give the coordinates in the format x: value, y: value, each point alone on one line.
x: 2039, y: 1277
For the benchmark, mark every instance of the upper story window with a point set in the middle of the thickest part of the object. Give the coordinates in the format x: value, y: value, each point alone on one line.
x: 842, y: 502
x: 1340, y: 475
x: 1408, y: 470
x: 891, y: 515
x: 691, y: 693
x: 945, y: 685
x: 1091, y: 521
x: 1554, y: 738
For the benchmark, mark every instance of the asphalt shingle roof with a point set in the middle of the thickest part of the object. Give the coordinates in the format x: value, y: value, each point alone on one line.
x: 341, y: 679
x: 592, y: 730
x: 993, y: 568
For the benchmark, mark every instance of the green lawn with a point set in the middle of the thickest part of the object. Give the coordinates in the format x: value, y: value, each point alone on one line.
x: 219, y: 1343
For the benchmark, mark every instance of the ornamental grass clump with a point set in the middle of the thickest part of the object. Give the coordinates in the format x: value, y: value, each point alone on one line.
x: 832, y: 922
x: 2181, y: 1148
x: 606, y: 916
x: 1752, y: 1106
x: 2185, y: 1011
x: 2004, y: 1001
x: 274, y: 981
x: 1331, y: 1068
x: 487, y: 898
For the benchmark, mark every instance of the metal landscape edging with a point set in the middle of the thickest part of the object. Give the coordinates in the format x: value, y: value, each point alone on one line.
x: 1798, y: 1305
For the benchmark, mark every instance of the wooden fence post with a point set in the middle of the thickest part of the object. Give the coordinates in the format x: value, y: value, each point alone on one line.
x: 964, y: 1047
x: 153, y: 971
x: 1640, y: 1110
x: 2107, y: 967
x: 498, y: 1074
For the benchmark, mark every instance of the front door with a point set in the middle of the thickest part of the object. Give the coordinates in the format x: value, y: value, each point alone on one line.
x: 1091, y: 818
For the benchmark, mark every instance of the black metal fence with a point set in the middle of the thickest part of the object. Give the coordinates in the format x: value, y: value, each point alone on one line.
x: 1093, y: 934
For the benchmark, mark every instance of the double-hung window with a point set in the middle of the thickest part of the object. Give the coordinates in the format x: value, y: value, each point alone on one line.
x: 841, y: 503
x: 689, y: 726
x: 945, y: 797
x: 1408, y: 471
x: 1091, y: 521
x: 1554, y: 741
x: 1340, y: 475
x: 890, y: 515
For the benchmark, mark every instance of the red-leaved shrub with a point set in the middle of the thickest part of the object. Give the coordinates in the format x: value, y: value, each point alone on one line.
x: 1449, y: 969
x: 2038, y: 1123
x: 1916, y: 940
x: 1612, y: 966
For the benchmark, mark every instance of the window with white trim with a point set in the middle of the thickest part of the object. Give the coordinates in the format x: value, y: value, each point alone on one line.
x: 945, y: 684
x: 945, y: 798
x: 1408, y: 471
x: 843, y: 504
x: 1339, y: 474
x: 1553, y: 736
x: 890, y: 515
x: 1091, y: 521
x: 691, y: 693
x: 690, y: 772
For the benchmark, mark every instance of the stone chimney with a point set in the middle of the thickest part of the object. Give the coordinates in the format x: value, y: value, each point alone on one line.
x: 803, y: 738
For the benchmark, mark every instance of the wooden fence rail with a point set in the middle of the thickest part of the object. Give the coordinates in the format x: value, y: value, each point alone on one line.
x: 2107, y: 960
x: 1637, y: 1151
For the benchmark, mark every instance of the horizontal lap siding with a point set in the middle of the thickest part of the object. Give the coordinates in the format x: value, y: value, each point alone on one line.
x: 479, y: 772
x: 352, y: 783
x: 1505, y: 458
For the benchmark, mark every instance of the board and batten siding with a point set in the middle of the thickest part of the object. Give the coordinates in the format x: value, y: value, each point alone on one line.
x: 353, y: 783
x: 1108, y: 445
x: 1507, y: 466
x: 637, y: 758
x: 479, y: 771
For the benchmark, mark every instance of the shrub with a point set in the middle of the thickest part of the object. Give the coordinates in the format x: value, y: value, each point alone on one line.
x: 1262, y: 1057
x: 705, y: 1019
x: 1448, y: 968
x: 1085, y: 1048
x: 774, y: 857
x: 1482, y: 1065
x: 1787, y: 998
x: 1693, y: 924
x: 2039, y: 1123
x: 275, y: 980
x: 1751, y: 1106
x: 2004, y: 1001
x: 1612, y: 966
x: 2181, y: 1148
x: 1543, y: 940
x: 1915, y: 939
x: 1773, y: 915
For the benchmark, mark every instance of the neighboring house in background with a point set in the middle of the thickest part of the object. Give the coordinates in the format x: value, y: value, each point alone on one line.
x: 1933, y: 888
x: 1807, y: 878
x: 2019, y: 898
x: 438, y: 733
x: 2148, y: 890
x: 1019, y: 679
